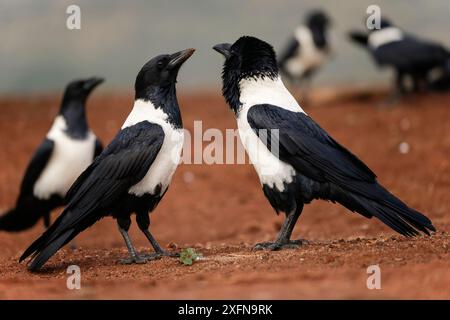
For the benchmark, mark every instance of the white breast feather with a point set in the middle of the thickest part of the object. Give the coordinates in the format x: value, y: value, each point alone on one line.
x: 384, y: 36
x: 308, y: 56
x: 69, y: 159
x: 168, y: 158
x: 271, y: 170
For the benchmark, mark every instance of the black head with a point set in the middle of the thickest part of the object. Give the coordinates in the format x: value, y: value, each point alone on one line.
x: 79, y: 90
x: 159, y: 74
x: 317, y: 19
x: 156, y: 83
x: 73, y: 105
x: 247, y: 58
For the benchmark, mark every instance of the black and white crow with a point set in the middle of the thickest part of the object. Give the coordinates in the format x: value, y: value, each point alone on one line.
x: 295, y: 159
x: 134, y: 171
x: 307, y: 50
x: 408, y: 55
x: 69, y: 148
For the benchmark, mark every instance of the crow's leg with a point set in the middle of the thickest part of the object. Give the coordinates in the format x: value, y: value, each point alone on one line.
x: 124, y: 226
x: 420, y: 83
x: 283, y: 240
x: 400, y: 83
x: 417, y: 86
x: 398, y: 91
x: 143, y: 221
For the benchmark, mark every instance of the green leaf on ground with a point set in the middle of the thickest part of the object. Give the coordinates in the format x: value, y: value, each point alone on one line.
x: 188, y: 256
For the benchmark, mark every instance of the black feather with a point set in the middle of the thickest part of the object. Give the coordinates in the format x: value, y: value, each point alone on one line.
x: 37, y: 164
x: 27, y: 212
x: 98, y: 148
x: 411, y: 55
x: 29, y: 209
x: 340, y: 175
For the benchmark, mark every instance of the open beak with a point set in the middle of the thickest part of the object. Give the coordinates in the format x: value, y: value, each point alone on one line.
x: 223, y: 48
x: 92, y: 83
x: 178, y: 58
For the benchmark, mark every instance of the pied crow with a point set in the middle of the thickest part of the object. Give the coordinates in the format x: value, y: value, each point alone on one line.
x: 307, y: 50
x: 134, y: 171
x: 408, y: 55
x: 69, y: 148
x: 295, y: 159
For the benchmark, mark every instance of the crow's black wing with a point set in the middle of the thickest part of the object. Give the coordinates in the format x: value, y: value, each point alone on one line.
x: 412, y: 54
x: 307, y: 147
x: 35, y: 167
x: 121, y: 165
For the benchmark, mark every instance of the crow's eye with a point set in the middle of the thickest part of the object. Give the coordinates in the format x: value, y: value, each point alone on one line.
x: 160, y: 64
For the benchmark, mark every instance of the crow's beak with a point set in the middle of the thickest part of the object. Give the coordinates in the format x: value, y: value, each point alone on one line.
x: 178, y: 58
x: 223, y: 48
x: 92, y: 83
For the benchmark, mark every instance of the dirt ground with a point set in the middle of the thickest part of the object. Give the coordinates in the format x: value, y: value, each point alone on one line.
x: 220, y: 210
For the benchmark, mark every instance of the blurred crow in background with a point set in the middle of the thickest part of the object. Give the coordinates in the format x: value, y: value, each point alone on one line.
x: 69, y: 148
x: 134, y: 171
x: 295, y: 159
x: 440, y: 80
x: 408, y: 55
x: 307, y: 50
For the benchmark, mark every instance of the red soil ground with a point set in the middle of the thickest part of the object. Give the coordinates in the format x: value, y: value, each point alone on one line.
x: 221, y: 211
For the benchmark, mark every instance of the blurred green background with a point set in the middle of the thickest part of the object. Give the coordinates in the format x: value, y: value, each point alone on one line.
x: 39, y: 54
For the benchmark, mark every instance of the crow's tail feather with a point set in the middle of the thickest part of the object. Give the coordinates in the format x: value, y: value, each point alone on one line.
x: 47, y: 244
x: 393, y: 212
x: 19, y: 219
x: 44, y: 253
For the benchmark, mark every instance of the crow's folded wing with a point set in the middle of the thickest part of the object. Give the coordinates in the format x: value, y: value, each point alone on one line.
x: 121, y: 165
x: 37, y: 164
x: 412, y: 53
x: 307, y: 147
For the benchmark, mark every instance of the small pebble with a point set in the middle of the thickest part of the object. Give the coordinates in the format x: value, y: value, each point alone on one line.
x: 172, y: 245
x: 403, y: 147
x: 188, y: 177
